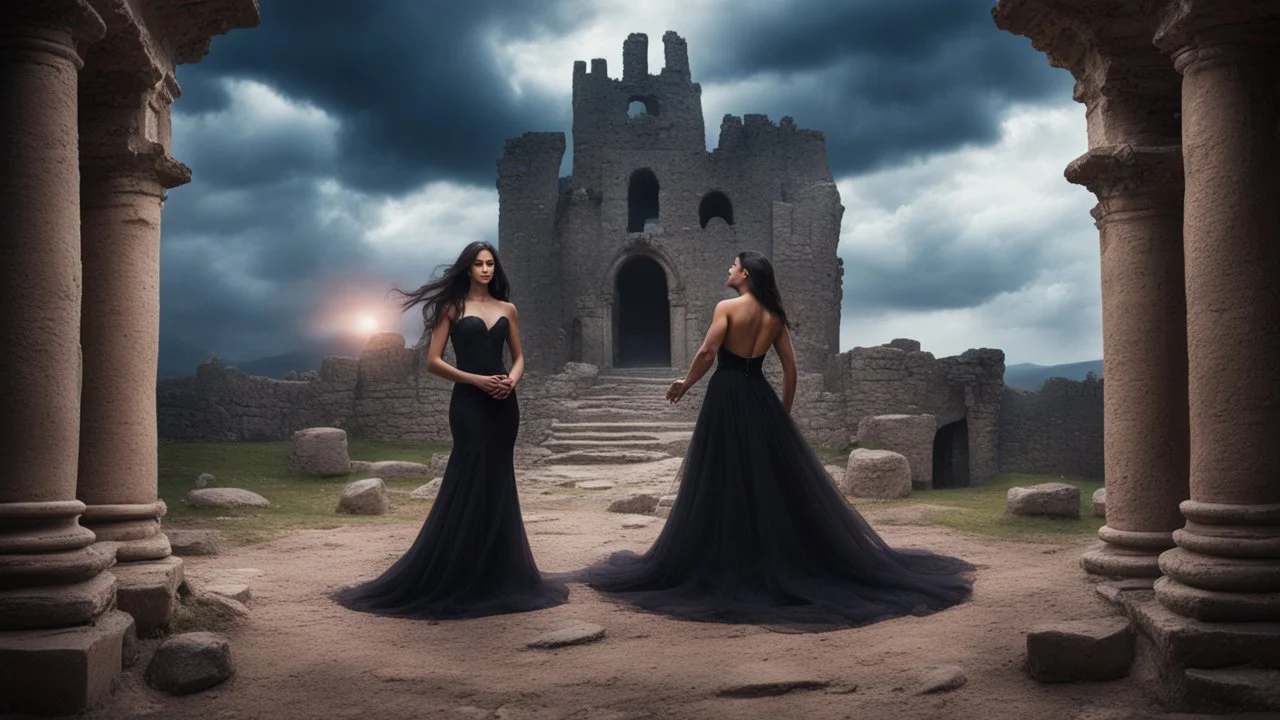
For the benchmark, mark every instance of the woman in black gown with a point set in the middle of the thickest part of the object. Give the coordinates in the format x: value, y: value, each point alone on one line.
x: 758, y: 534
x: 471, y: 557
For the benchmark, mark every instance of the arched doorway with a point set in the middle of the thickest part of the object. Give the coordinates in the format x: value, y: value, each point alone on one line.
x: 951, y: 455
x: 642, y: 315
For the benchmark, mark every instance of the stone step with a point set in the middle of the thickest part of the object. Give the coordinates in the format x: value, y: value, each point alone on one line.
x: 667, y: 426
x: 561, y: 446
x: 635, y: 380
x: 607, y: 436
x: 603, y: 457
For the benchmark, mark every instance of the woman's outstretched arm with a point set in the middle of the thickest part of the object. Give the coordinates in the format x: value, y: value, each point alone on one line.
x: 706, y: 354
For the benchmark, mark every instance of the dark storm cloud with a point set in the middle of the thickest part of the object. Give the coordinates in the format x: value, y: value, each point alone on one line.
x: 888, y: 80
x: 413, y: 82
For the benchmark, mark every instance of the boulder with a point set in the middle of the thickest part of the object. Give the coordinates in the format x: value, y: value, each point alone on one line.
x: 1076, y: 650
x: 634, y: 504
x: 190, y: 662
x: 399, y: 468
x: 364, y: 497
x: 427, y: 491
x: 320, y: 452
x: 911, y: 436
x: 1055, y: 500
x: 1100, y: 502
x: 877, y: 474
x: 225, y: 498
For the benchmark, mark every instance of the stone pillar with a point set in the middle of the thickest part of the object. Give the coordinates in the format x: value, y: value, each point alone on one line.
x: 60, y: 637
x: 125, y: 170
x: 1145, y: 454
x: 1227, y: 563
x: 1130, y: 93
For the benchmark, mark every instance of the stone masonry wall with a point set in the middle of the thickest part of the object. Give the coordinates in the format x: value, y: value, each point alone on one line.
x: 1057, y: 430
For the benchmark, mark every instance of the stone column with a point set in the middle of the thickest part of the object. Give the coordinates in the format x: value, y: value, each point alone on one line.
x: 1130, y: 93
x: 1139, y: 217
x: 60, y: 638
x: 1227, y: 563
x: 125, y: 170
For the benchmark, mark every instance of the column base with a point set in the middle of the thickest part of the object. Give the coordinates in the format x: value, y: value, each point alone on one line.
x: 57, y: 606
x: 1111, y: 561
x: 1189, y: 665
x: 64, y: 670
x: 1216, y: 605
x: 149, y: 592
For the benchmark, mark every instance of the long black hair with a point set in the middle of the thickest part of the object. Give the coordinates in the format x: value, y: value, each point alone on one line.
x: 450, y: 289
x: 761, y: 283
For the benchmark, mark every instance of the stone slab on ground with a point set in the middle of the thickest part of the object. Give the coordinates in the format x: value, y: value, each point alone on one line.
x: 399, y: 468
x: 61, y: 671
x: 579, y: 633
x: 225, y: 498
x: 1080, y: 650
x: 633, y: 504
x: 1056, y: 500
x: 940, y: 679
x: 187, y: 543
x: 149, y: 592
x: 190, y: 662
x: 236, y: 591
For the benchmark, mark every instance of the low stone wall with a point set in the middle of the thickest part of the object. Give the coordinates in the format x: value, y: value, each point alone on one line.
x: 1055, y: 431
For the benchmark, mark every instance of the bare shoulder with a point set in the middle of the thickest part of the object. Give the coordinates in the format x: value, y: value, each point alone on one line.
x: 509, y: 309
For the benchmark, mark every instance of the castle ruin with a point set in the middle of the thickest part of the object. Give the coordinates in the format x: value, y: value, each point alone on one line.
x: 626, y: 258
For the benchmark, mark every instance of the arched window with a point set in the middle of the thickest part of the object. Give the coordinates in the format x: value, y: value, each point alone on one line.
x: 715, y: 204
x: 642, y: 105
x: 642, y: 199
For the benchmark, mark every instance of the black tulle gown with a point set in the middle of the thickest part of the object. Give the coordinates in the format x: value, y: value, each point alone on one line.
x: 759, y: 534
x: 471, y: 557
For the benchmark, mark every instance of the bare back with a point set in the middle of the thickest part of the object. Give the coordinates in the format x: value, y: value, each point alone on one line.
x: 752, y: 329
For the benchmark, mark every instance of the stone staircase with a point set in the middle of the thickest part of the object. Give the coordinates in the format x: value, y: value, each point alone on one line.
x: 624, y: 418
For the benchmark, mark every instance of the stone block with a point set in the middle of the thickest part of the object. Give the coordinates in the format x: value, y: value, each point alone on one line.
x: 1100, y: 502
x: 149, y: 592
x: 364, y: 497
x: 1057, y: 500
x: 61, y: 671
x: 877, y: 474
x: 635, y: 504
x: 320, y: 452
x: 911, y: 436
x: 1080, y: 650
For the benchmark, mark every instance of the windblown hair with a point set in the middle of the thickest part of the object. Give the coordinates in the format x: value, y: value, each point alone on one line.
x: 450, y: 289
x: 761, y: 283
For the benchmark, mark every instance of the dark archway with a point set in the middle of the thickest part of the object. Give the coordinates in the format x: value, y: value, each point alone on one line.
x: 715, y: 204
x: 642, y: 199
x: 951, y: 455
x: 642, y: 328
x: 575, y: 341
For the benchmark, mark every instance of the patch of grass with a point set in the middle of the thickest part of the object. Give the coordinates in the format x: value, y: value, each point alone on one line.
x: 297, y: 501
x: 980, y: 510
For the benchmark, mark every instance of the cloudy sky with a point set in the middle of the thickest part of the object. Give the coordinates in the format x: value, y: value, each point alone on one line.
x: 341, y: 148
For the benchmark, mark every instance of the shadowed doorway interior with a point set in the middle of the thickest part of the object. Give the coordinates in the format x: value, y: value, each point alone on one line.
x: 642, y: 315
x: 951, y: 455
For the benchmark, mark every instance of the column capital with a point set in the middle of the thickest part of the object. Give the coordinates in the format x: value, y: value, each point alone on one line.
x: 75, y: 17
x: 144, y: 161
x: 191, y: 26
x: 1129, y: 88
x: 1128, y: 178
x: 1194, y: 31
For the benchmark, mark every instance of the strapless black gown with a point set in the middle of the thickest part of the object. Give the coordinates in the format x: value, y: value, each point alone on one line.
x: 759, y: 534
x: 471, y: 557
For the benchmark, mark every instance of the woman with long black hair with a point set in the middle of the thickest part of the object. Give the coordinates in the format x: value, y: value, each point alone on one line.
x: 472, y: 556
x: 758, y: 533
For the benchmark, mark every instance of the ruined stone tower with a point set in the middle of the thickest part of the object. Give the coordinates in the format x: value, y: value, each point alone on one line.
x: 621, y: 263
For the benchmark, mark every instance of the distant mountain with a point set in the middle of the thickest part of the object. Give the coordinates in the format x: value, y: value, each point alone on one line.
x: 1026, y: 376
x: 179, y: 358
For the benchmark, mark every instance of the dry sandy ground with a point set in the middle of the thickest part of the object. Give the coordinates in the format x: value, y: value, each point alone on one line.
x: 300, y: 655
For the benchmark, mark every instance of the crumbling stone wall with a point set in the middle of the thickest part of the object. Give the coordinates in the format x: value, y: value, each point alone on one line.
x: 1057, y: 430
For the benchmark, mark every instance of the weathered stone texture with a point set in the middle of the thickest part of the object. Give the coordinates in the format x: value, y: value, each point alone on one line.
x: 1055, y: 431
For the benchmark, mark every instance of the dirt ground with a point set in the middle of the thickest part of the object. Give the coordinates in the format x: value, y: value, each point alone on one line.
x: 299, y: 655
